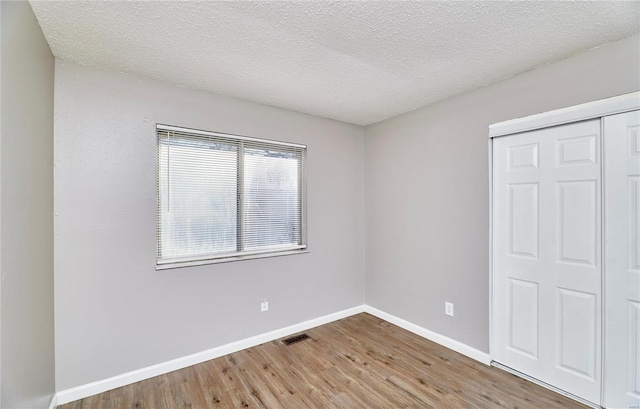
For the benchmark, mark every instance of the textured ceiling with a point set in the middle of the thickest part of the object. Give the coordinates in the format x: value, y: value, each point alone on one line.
x: 358, y: 62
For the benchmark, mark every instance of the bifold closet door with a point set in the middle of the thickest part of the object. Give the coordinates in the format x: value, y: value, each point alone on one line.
x: 547, y: 256
x: 622, y: 259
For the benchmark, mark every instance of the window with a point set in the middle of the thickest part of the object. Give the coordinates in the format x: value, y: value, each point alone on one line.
x: 226, y: 197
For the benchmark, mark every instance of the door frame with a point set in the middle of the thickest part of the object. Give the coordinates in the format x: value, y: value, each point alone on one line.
x: 591, y: 110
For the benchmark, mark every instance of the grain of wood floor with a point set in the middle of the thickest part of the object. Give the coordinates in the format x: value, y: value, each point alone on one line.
x: 357, y: 362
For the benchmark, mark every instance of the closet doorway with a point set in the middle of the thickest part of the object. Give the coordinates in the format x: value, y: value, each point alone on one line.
x: 565, y: 249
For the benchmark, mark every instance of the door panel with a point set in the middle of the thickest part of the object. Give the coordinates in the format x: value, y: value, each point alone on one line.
x: 524, y: 317
x: 523, y: 210
x: 577, y: 332
x: 634, y: 222
x: 573, y: 151
x: 577, y: 222
x: 622, y: 265
x: 523, y: 156
x: 547, y: 261
x: 634, y: 351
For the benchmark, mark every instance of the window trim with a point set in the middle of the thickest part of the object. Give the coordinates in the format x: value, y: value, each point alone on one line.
x: 248, y: 256
x: 163, y: 127
x: 243, y: 255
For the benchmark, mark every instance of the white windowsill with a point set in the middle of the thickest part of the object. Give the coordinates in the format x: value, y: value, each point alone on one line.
x: 229, y: 259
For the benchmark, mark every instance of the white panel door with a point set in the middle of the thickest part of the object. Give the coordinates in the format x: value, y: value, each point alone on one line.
x: 547, y: 256
x: 622, y: 260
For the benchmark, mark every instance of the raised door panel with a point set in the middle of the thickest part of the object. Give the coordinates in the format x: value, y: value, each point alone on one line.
x: 633, y: 212
x: 579, y: 150
x: 523, y: 156
x: 576, y: 334
x: 633, y: 140
x: 523, y: 212
x: 523, y: 322
x: 577, y: 222
x: 633, y: 341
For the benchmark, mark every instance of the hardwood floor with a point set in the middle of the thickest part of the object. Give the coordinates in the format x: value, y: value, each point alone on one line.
x: 357, y: 362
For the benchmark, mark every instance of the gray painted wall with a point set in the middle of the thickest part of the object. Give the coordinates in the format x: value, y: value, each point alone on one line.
x: 427, y: 191
x: 26, y: 181
x: 114, y: 312
x: 426, y: 206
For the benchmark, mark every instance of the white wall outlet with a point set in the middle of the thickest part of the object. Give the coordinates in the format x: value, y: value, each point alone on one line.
x: 264, y: 305
x: 448, y: 309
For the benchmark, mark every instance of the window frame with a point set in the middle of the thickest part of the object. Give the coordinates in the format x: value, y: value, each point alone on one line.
x: 302, y: 247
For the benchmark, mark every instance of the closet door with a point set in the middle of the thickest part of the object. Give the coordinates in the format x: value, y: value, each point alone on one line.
x: 622, y: 260
x: 547, y: 256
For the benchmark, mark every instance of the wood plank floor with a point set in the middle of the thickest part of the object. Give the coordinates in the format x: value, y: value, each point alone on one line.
x: 357, y: 362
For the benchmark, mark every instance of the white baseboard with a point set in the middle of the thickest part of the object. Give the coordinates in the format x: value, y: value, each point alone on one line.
x: 457, y: 346
x: 83, y: 391
x: 54, y: 402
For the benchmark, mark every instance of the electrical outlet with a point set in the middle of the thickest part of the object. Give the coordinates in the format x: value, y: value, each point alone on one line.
x: 448, y: 309
x: 264, y: 305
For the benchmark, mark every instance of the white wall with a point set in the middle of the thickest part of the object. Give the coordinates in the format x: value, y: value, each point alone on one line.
x: 427, y: 193
x: 114, y: 312
x: 26, y: 181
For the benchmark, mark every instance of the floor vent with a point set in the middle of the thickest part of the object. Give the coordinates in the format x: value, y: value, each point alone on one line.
x: 294, y: 339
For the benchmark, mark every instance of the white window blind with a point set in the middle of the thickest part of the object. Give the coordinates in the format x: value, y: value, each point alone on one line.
x: 223, y: 196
